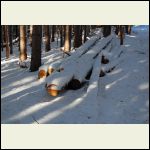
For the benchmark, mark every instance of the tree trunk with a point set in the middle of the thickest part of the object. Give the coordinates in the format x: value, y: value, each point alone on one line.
x: 121, y: 35
x: 7, y: 42
x: 47, y: 38
x: 106, y: 30
x: 129, y: 29
x: 53, y: 33
x: 36, y: 48
x: 88, y: 29
x: 117, y: 29
x: 17, y: 32
x: 77, y: 36
x: 1, y: 37
x: 10, y: 39
x: 30, y: 35
x: 23, y: 48
x: 85, y: 34
x: 67, y: 45
x: 61, y: 36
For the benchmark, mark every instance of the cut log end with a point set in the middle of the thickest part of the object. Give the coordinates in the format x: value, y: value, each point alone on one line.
x: 74, y: 84
x: 53, y: 92
x: 51, y: 89
x: 42, y: 74
x: 104, y: 60
x: 102, y: 73
x: 50, y: 70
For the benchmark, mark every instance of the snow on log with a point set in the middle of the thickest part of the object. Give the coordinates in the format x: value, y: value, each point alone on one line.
x: 76, y: 70
x: 81, y: 50
x: 91, y: 53
x: 109, y: 67
x: 85, y: 62
x: 93, y: 83
x: 58, y: 80
x: 42, y: 73
x: 54, y: 66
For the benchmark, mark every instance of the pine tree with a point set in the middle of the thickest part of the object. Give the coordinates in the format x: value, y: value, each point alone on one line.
x: 23, y: 47
x: 121, y: 34
x: 67, y: 42
x: 7, y: 41
x: 47, y: 38
x: 53, y: 33
x: 85, y: 33
x: 10, y: 39
x: 36, y: 48
x: 61, y: 36
x: 30, y: 35
x: 77, y: 36
x: 1, y: 37
x: 106, y: 30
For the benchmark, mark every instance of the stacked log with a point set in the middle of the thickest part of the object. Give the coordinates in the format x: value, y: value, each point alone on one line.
x: 42, y: 73
x: 75, y: 71
x: 59, y: 64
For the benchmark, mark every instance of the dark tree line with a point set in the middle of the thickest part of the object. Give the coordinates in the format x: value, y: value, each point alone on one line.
x: 69, y: 36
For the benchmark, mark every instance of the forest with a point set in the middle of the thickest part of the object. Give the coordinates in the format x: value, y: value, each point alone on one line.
x: 74, y: 74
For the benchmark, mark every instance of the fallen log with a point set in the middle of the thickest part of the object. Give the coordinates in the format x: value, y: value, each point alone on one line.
x: 76, y: 70
x: 58, y: 81
x: 81, y: 50
x: 85, y: 63
x: 42, y: 73
x: 93, y: 83
x: 54, y: 66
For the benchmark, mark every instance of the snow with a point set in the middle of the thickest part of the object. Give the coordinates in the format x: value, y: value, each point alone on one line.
x: 123, y: 94
x: 82, y: 49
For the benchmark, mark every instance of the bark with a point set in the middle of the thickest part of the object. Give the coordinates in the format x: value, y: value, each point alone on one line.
x: 30, y: 35
x: 67, y: 45
x: 2, y: 37
x: 47, y: 38
x: 7, y: 42
x: 36, y: 48
x: 53, y: 33
x: 61, y: 36
x: 117, y: 29
x: 121, y: 35
x: 17, y: 31
x: 106, y: 30
x: 23, y: 47
x: 85, y: 33
x: 77, y: 36
x: 129, y: 29
x: 10, y: 39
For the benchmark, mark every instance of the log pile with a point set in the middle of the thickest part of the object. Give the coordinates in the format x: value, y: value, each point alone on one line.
x: 73, y: 70
x: 58, y: 65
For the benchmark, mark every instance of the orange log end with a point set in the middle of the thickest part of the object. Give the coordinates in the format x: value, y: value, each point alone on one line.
x: 50, y: 70
x: 42, y: 74
x: 53, y: 92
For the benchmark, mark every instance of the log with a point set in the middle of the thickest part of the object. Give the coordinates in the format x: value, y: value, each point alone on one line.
x: 54, y: 66
x: 58, y: 81
x: 85, y: 63
x: 81, y: 50
x: 93, y: 83
x: 77, y: 70
x: 52, y: 90
x: 42, y: 73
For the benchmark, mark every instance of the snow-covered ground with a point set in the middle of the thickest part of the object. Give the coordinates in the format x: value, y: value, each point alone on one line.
x: 123, y: 94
